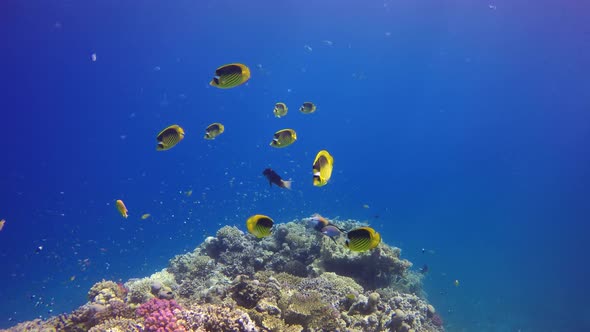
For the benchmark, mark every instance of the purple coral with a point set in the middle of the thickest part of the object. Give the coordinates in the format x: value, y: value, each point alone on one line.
x: 159, y: 316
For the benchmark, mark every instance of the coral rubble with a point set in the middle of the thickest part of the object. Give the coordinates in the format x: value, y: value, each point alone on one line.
x: 294, y: 280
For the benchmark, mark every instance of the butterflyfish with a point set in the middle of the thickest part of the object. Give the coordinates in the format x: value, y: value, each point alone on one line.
x: 283, y: 138
x: 274, y: 178
x: 259, y: 225
x: 280, y: 110
x: 230, y: 75
x: 122, y: 208
x: 322, y: 168
x: 362, y: 239
x: 2, y: 222
x: 214, y: 130
x: 307, y: 108
x: 169, y: 137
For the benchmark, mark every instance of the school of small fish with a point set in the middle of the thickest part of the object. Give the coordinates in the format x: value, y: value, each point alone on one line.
x: 235, y: 74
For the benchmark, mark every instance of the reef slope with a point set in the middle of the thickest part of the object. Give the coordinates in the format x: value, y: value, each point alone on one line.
x: 293, y: 280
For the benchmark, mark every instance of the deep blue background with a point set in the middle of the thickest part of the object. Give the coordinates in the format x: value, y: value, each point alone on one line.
x: 465, y: 128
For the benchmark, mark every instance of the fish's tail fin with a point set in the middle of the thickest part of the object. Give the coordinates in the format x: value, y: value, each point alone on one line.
x: 287, y: 184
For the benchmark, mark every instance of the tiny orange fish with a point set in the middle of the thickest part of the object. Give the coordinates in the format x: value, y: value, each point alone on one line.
x: 122, y: 208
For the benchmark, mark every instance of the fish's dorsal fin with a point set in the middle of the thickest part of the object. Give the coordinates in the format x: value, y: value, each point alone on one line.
x: 338, y: 228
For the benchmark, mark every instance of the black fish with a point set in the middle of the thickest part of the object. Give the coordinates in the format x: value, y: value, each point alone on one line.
x: 273, y: 177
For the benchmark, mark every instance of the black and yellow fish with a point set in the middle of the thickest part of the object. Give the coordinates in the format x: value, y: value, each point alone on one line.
x: 280, y: 110
x: 322, y: 168
x: 259, y: 225
x: 307, y: 108
x: 214, y: 130
x: 362, y: 239
x: 169, y: 137
x: 283, y: 138
x: 231, y: 75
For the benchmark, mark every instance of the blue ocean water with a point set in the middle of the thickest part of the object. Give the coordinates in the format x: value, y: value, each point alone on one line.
x: 463, y: 125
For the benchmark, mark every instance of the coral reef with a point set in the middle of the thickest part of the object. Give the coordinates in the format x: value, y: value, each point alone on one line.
x: 294, y: 280
x: 293, y: 249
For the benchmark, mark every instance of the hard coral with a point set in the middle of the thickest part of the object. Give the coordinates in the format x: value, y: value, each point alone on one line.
x: 190, y: 266
x: 311, y: 311
x: 118, y: 324
x: 247, y: 292
x: 115, y: 308
x: 217, y: 318
x: 159, y: 285
x: 104, y: 291
x: 160, y: 316
x: 436, y: 320
x: 373, y: 269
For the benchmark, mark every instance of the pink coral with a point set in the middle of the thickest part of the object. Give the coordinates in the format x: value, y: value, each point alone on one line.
x: 160, y: 316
